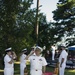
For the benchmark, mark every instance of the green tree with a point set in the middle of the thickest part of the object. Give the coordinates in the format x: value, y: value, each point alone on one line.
x: 14, y: 24
x: 7, y: 22
x: 46, y: 32
x: 64, y: 16
x: 17, y: 26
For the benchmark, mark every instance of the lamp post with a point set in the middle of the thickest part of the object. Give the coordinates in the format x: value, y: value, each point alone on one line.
x: 37, y: 22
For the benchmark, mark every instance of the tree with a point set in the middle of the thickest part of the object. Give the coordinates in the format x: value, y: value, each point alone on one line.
x: 46, y: 32
x: 64, y: 16
x: 17, y: 26
x: 14, y: 24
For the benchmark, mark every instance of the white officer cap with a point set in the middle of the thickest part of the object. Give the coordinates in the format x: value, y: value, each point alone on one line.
x: 62, y: 45
x: 8, y: 49
x: 24, y: 50
x: 38, y: 47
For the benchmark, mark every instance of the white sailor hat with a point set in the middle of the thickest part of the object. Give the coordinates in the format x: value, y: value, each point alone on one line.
x: 8, y: 49
x: 62, y: 45
x: 39, y: 48
x: 24, y: 50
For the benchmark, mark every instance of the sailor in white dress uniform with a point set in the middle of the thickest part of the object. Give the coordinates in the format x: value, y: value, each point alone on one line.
x: 62, y: 60
x: 37, y: 62
x: 53, y: 52
x: 23, y: 61
x: 9, y: 62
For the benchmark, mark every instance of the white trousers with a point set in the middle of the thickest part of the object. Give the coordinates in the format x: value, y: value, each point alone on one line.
x: 61, y: 70
x: 8, y: 71
x: 22, y: 67
x: 53, y: 55
x: 34, y: 72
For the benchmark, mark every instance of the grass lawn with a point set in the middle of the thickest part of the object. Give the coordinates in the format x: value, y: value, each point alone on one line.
x: 49, y: 69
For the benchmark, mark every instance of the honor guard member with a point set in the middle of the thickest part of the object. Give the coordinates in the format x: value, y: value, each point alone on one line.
x: 37, y: 62
x: 62, y: 60
x: 9, y: 61
x: 53, y: 51
x: 23, y: 61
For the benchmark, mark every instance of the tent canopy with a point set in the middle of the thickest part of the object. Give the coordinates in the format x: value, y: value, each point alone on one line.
x: 71, y: 48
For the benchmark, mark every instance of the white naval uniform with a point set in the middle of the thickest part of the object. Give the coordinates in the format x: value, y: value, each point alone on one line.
x: 22, y: 64
x: 36, y: 64
x: 9, y: 68
x: 64, y: 55
x: 53, y: 52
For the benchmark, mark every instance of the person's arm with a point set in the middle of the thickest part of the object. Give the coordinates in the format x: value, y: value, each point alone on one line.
x: 62, y: 60
x: 44, y: 66
x: 11, y: 61
x: 29, y: 55
x: 13, y: 57
x: 44, y: 69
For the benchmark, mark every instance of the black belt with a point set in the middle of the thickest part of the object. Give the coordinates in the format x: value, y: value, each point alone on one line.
x: 36, y: 70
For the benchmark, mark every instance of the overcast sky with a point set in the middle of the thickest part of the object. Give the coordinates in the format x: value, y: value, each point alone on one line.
x: 47, y: 7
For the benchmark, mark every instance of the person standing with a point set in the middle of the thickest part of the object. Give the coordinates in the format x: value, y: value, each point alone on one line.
x: 9, y: 62
x: 37, y: 62
x: 62, y: 60
x: 47, y: 55
x: 53, y: 51
x: 23, y: 61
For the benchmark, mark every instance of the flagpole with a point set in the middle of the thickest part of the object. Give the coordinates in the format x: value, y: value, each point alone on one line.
x: 37, y: 22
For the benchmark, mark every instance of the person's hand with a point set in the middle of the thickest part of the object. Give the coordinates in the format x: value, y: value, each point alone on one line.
x: 13, y: 52
x: 32, y: 52
x: 14, y: 55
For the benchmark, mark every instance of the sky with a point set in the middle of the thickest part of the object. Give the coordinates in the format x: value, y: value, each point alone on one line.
x: 47, y: 7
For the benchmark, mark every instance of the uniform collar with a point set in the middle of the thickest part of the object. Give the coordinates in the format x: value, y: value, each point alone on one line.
x: 38, y: 56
